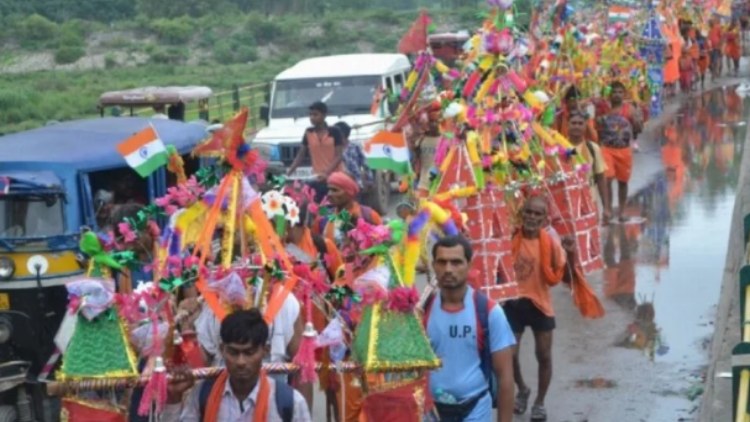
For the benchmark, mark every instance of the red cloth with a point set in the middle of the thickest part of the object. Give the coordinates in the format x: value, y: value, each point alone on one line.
x: 82, y: 411
x: 415, y: 40
x: 399, y: 404
x: 344, y: 182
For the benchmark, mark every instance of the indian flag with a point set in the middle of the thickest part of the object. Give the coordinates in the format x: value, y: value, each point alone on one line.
x: 619, y: 13
x: 388, y: 151
x: 144, y: 151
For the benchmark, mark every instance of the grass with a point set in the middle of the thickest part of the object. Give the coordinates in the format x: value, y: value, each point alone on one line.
x: 33, y: 99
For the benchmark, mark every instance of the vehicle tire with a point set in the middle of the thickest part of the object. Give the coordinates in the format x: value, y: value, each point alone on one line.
x: 379, y: 194
x: 8, y: 414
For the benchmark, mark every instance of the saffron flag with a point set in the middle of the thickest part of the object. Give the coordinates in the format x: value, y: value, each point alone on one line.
x: 388, y: 151
x: 415, y: 39
x: 144, y: 152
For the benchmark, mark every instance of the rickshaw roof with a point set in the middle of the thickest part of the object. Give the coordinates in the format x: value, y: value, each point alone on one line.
x: 91, y: 144
x: 38, y: 179
x: 153, y: 95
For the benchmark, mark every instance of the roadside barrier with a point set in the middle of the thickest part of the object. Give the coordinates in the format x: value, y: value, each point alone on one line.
x: 741, y: 352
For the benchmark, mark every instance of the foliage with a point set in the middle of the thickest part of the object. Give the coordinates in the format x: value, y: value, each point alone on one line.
x: 66, y: 54
x: 35, y: 28
x: 174, y: 31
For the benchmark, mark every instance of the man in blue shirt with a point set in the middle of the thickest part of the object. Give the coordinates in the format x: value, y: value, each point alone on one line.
x: 460, y: 388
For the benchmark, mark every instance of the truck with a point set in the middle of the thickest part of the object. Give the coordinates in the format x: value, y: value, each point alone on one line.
x: 348, y: 85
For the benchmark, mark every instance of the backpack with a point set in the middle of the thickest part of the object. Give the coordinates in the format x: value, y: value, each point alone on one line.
x: 482, y: 307
x: 284, y: 399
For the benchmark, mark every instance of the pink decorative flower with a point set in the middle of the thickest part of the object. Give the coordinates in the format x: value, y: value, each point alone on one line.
x: 403, y: 299
x: 127, y: 233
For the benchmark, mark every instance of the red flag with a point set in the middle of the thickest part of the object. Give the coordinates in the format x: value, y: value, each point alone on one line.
x: 415, y: 40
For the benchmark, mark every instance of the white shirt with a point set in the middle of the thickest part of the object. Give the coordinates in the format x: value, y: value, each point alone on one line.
x: 207, y: 328
x: 232, y: 410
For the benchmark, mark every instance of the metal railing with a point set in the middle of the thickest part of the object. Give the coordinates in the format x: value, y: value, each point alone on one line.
x: 741, y: 352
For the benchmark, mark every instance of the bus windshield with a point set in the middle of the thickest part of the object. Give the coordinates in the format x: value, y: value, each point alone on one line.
x: 30, y: 216
x: 343, y: 95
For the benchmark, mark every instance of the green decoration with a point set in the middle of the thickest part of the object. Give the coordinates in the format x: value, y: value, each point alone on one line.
x: 400, y: 342
x: 98, y: 348
x: 92, y: 246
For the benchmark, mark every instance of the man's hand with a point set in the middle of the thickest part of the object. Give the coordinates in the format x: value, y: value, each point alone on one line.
x: 321, y: 177
x: 181, y: 381
x: 569, y: 244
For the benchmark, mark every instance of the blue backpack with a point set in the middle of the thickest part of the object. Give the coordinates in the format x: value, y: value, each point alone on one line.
x: 482, y: 307
x: 284, y: 399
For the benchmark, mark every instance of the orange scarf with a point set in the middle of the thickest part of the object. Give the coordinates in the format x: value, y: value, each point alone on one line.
x: 217, y: 391
x: 551, y: 274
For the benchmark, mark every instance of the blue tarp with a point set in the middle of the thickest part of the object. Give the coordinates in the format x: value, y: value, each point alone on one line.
x: 91, y: 144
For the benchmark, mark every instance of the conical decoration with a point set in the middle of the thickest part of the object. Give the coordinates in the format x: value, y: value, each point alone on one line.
x: 388, y: 341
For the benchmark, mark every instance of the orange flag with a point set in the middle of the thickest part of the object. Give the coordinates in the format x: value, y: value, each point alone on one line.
x: 415, y: 40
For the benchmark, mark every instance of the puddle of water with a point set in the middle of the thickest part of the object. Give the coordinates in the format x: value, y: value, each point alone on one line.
x: 667, y: 265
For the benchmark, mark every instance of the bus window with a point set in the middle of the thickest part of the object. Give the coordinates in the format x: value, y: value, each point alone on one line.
x: 113, y: 187
x: 398, y: 82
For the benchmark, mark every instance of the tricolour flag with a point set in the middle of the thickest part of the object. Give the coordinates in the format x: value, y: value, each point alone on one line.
x: 388, y: 151
x: 619, y: 13
x: 144, y: 151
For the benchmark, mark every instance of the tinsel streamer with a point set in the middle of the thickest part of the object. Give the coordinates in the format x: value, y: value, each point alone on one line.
x: 230, y: 228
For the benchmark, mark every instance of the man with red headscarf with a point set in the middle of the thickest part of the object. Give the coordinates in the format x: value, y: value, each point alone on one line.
x: 342, y: 194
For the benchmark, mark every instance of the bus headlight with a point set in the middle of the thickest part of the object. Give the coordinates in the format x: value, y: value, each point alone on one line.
x: 7, y: 268
x: 6, y: 330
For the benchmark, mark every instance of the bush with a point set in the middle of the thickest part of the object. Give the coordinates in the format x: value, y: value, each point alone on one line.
x: 173, y: 31
x: 263, y: 29
x: 69, y: 37
x: 37, y: 28
x: 69, y: 54
x: 110, y: 61
x: 246, y: 53
x: 231, y: 51
x: 169, y: 55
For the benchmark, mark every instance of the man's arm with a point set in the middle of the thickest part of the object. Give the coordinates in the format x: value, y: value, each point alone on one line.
x: 338, y: 142
x: 297, y: 160
x: 502, y: 363
x: 601, y: 185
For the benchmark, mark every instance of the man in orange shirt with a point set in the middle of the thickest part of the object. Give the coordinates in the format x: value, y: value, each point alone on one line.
x: 325, y: 145
x: 540, y: 262
x: 573, y: 104
x: 715, y: 39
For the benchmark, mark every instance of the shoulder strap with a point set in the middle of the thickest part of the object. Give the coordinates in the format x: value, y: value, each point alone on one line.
x: 322, y: 223
x: 285, y: 401
x: 482, y: 306
x: 427, y: 308
x: 203, y: 393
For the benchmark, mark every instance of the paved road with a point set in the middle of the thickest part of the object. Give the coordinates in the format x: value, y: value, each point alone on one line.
x: 646, y: 359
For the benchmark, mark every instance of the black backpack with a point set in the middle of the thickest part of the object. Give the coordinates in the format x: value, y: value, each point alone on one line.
x: 284, y: 399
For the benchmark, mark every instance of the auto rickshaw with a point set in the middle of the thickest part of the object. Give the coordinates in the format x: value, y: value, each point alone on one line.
x: 51, y: 179
x: 170, y: 100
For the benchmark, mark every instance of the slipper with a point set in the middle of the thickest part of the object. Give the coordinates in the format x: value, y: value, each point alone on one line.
x: 538, y: 413
x: 522, y: 402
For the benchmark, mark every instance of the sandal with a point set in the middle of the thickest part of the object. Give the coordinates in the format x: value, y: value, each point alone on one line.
x: 522, y: 402
x: 538, y: 413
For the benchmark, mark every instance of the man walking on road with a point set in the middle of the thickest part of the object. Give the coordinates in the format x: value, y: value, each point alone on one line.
x: 618, y: 128
x: 472, y: 337
x: 540, y: 262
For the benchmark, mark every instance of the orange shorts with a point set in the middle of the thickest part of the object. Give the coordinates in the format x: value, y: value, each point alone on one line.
x: 619, y: 163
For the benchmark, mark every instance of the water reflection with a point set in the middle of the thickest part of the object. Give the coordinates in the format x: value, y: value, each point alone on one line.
x: 670, y: 255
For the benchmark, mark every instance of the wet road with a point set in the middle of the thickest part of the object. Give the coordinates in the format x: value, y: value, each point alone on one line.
x: 645, y: 360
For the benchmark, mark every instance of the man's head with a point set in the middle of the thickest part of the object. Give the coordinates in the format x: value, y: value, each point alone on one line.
x: 318, y: 113
x: 534, y: 215
x: 577, y: 121
x: 159, y: 108
x: 617, y: 93
x: 572, y: 98
x: 451, y: 256
x: 344, y: 128
x: 244, y: 337
x: 342, y: 189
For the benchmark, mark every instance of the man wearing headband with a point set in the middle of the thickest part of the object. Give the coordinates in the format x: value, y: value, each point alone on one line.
x: 342, y: 194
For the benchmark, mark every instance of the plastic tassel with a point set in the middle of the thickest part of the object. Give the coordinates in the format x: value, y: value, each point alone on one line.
x: 155, y: 393
x: 305, y: 356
